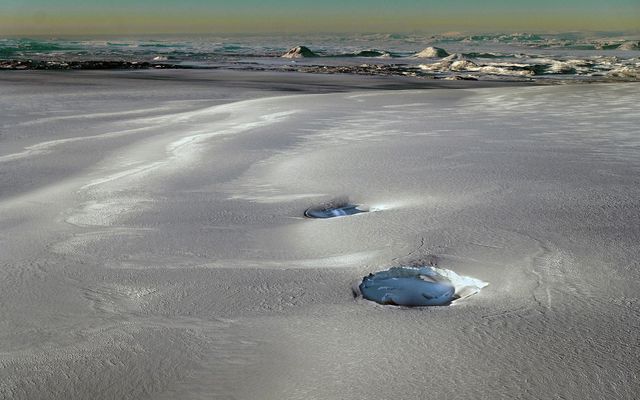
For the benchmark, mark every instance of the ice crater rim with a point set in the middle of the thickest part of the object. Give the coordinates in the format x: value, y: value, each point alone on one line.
x: 416, y: 286
x: 333, y: 210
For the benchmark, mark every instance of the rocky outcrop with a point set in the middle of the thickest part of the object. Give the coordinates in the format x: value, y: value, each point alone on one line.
x: 299, y: 52
x: 82, y: 65
x: 629, y: 46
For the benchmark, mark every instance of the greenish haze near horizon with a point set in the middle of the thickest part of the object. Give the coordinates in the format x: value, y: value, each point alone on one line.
x: 201, y: 16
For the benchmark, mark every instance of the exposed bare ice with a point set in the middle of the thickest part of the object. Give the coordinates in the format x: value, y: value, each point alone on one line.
x: 416, y: 286
x: 339, y: 207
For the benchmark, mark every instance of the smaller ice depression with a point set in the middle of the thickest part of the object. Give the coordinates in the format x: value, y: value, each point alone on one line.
x: 332, y: 211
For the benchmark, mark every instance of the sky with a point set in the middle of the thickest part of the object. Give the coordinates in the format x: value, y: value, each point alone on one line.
x: 78, y: 17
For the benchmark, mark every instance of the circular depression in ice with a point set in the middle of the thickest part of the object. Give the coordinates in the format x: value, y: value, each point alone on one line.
x: 335, y: 210
x: 418, y: 286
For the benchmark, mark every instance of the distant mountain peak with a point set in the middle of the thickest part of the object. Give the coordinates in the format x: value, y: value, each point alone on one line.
x: 430, y: 52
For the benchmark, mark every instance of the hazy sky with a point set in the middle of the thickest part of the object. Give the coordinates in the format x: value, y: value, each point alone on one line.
x: 199, y: 16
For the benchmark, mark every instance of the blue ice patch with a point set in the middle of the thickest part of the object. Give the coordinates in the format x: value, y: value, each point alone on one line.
x: 407, y: 286
x: 418, y: 286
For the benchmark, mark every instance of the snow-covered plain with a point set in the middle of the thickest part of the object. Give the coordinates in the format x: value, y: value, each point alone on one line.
x: 153, y: 243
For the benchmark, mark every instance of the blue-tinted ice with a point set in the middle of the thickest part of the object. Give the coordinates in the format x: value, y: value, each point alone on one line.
x: 418, y: 286
x: 334, y: 211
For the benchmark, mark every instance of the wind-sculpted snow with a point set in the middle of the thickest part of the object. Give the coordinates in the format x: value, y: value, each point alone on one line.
x: 153, y: 242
